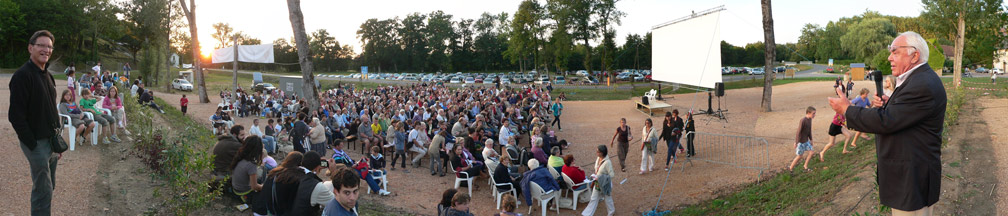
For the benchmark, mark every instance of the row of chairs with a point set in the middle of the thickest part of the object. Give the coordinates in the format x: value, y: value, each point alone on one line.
x: 72, y: 131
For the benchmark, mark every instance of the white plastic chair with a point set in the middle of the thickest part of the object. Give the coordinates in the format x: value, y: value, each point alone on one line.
x: 537, y: 193
x: 384, y: 180
x: 498, y: 193
x: 575, y: 192
x: 461, y: 176
x: 70, y: 129
x: 95, y: 130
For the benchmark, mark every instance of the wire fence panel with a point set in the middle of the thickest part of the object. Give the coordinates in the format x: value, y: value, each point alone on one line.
x: 739, y: 151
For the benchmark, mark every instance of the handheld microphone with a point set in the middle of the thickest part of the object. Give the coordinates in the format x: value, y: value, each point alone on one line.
x: 877, y: 76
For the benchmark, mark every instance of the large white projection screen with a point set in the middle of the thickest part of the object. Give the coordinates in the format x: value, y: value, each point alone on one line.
x: 688, y: 50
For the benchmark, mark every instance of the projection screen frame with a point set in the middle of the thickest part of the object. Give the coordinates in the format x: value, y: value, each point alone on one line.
x: 705, y: 70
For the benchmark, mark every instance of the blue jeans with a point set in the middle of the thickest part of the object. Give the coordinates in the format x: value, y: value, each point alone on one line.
x: 269, y: 142
x: 371, y: 181
x: 672, y: 144
x: 42, y: 163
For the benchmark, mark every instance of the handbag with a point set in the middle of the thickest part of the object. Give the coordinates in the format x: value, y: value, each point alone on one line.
x: 57, y: 143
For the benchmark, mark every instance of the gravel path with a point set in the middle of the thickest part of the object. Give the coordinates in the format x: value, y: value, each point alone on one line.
x: 994, y: 114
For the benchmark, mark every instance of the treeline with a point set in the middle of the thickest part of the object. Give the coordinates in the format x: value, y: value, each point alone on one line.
x: 865, y: 37
x: 81, y: 35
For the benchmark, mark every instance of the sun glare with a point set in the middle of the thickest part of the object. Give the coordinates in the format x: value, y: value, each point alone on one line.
x: 206, y: 51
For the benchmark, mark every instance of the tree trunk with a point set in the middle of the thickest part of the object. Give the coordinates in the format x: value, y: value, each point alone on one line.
x: 959, y: 43
x: 304, y: 54
x: 587, y: 61
x: 167, y: 50
x: 197, y: 68
x: 769, y: 46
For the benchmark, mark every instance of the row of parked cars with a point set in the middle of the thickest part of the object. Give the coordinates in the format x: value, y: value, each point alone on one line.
x: 475, y: 78
x: 753, y: 70
x: 985, y: 70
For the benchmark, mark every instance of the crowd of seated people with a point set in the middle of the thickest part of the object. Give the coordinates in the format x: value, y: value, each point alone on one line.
x: 468, y: 130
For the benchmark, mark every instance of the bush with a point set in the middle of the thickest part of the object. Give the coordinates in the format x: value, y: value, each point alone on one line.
x: 182, y: 157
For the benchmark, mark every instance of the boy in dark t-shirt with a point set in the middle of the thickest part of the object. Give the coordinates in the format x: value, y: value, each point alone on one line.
x: 803, y: 138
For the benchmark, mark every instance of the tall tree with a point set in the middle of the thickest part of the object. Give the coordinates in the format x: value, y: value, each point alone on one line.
x: 983, y: 19
x: 864, y: 38
x: 524, y: 30
x: 440, y: 30
x: 304, y: 54
x: 197, y: 64
x: 223, y: 33
x: 608, y: 15
x: 578, y: 14
x: 769, y: 47
x: 414, y: 41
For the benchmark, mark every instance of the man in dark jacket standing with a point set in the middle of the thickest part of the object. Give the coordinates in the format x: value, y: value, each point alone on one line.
x: 34, y: 117
x: 909, y: 126
x: 299, y: 132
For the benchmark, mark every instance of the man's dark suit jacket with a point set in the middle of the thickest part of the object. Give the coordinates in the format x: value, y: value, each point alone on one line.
x: 908, y: 141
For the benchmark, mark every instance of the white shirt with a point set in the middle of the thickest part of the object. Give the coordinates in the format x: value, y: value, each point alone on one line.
x: 254, y: 130
x: 505, y: 134
x: 902, y: 77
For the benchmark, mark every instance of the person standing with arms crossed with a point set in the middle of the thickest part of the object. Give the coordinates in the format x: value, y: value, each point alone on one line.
x: 34, y: 117
x: 908, y: 128
x: 623, y: 133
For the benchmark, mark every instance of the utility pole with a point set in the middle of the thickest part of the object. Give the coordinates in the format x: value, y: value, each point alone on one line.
x: 234, y: 66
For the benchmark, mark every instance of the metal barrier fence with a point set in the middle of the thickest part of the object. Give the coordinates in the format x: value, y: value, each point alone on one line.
x: 739, y: 151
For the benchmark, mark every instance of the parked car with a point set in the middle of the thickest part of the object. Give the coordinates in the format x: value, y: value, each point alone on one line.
x: 488, y: 80
x: 455, y: 80
x: 756, y: 71
x: 582, y: 73
x: 559, y: 80
x: 470, y: 80
x: 997, y: 71
x: 981, y: 70
x: 259, y: 87
x: 829, y: 70
x: 182, y: 84
x: 780, y: 69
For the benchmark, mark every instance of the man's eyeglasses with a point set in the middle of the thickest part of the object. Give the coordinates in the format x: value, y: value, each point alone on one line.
x: 50, y: 47
x: 892, y: 49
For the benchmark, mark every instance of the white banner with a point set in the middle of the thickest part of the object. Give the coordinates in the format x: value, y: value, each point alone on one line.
x: 262, y: 53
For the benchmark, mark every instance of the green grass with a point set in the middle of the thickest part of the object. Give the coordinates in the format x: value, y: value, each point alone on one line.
x: 791, y: 193
x: 802, y: 67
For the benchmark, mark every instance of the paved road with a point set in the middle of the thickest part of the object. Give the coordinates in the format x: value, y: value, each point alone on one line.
x: 815, y: 71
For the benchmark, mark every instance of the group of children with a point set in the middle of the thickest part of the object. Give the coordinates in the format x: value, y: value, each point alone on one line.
x: 803, y: 139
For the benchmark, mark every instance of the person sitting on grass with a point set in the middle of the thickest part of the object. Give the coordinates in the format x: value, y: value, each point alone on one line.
x: 148, y: 99
x: 226, y: 149
x: 460, y: 205
x: 244, y: 169
x: 308, y: 187
x: 345, y: 185
x: 803, y: 139
x: 280, y: 188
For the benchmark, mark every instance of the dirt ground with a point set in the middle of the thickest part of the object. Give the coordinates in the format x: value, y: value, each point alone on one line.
x: 994, y: 114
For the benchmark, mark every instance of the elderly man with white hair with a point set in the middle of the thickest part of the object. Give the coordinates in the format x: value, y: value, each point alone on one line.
x: 909, y: 126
